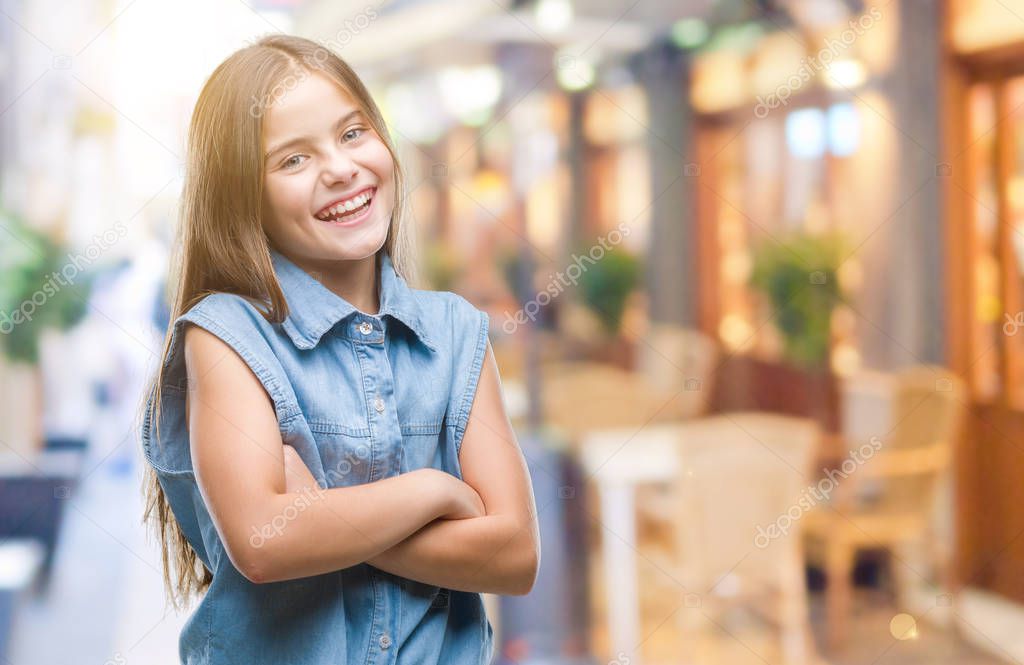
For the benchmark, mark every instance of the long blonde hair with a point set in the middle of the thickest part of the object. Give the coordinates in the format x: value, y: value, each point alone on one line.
x: 220, y: 244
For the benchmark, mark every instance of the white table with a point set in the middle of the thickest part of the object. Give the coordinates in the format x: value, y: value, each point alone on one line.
x: 618, y: 460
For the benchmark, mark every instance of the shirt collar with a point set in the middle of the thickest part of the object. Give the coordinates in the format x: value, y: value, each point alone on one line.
x: 314, y: 309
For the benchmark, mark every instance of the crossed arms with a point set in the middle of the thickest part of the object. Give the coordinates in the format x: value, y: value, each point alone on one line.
x: 476, y: 534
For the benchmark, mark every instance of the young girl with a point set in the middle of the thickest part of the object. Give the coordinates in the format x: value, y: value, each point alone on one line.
x: 329, y: 460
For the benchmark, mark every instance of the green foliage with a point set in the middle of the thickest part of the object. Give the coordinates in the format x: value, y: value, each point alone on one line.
x: 606, y: 284
x: 799, y: 278
x: 32, y: 298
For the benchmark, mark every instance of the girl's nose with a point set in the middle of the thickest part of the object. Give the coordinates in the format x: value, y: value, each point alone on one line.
x: 341, y: 168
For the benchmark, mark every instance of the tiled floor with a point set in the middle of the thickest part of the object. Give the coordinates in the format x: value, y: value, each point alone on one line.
x: 746, y: 641
x: 741, y: 639
x: 872, y: 642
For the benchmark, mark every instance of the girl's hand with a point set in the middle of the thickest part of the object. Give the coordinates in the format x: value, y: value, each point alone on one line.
x: 297, y: 476
x: 457, y: 499
x: 464, y: 502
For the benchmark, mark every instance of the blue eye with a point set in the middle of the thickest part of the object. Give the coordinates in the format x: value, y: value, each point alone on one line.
x: 354, y: 129
x: 290, y: 162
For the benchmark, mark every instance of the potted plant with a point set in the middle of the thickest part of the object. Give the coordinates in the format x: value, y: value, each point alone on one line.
x: 605, y: 287
x: 37, y: 292
x: 799, y: 278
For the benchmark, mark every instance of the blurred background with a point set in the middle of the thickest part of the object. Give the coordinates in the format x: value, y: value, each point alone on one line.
x: 754, y: 270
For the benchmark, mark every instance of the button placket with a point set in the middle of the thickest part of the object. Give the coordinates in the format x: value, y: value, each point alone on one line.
x: 386, y: 440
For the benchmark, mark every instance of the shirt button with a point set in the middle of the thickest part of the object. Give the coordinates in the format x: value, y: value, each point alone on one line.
x: 365, y: 328
x: 378, y: 404
x: 384, y: 641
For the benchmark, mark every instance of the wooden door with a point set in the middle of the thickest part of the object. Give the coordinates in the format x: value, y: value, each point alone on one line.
x: 985, y: 174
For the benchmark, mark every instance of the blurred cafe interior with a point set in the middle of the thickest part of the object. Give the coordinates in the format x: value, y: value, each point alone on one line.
x: 755, y: 274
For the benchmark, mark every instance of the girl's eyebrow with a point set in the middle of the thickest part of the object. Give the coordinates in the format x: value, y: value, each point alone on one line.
x: 300, y: 139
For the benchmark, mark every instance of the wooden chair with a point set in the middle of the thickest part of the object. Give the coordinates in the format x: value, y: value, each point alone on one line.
x: 738, y: 475
x: 673, y: 382
x: 583, y: 397
x: 886, y: 489
x: 745, y: 475
x: 730, y: 474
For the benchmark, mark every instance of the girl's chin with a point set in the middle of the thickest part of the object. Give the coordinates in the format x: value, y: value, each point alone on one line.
x: 368, y: 232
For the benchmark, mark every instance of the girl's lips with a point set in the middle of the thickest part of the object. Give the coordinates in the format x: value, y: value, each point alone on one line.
x: 330, y: 205
x: 353, y: 221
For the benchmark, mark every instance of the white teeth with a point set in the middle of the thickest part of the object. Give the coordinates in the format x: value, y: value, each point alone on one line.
x: 347, y: 206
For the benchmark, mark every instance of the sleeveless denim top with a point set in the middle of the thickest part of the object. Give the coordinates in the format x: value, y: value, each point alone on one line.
x: 360, y: 398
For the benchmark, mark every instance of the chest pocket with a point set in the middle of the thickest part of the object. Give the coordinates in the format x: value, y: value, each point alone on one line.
x: 345, y: 452
x: 423, y: 446
x: 422, y: 396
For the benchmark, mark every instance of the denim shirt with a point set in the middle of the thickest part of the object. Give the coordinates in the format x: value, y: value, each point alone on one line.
x: 360, y: 397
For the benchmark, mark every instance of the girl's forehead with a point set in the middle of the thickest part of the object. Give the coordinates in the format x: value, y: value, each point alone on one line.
x: 304, y: 103
x: 305, y: 92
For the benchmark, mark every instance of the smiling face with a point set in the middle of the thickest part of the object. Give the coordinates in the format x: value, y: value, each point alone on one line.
x: 329, y: 186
